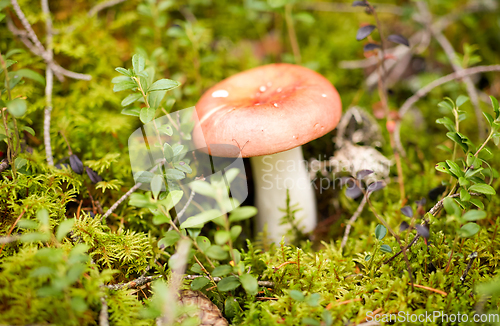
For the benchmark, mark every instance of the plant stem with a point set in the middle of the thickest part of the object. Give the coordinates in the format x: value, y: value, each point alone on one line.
x: 291, y: 33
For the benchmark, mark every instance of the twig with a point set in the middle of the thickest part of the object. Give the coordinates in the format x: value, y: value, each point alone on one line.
x: 291, y: 33
x: 471, y: 257
x: 134, y: 283
x: 12, y: 228
x: 430, y: 289
x: 103, y: 5
x: 103, y: 315
x: 429, y: 87
x: 122, y: 198
x: 183, y: 210
x: 267, y: 284
x: 352, y: 220
x: 452, y: 57
x: 49, y: 76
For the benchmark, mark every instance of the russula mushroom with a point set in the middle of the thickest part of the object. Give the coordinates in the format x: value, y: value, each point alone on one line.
x: 269, y: 112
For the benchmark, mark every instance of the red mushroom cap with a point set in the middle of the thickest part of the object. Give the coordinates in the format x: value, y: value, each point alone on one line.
x: 267, y: 110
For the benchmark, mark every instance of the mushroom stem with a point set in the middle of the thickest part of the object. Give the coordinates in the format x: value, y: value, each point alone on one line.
x: 273, y: 175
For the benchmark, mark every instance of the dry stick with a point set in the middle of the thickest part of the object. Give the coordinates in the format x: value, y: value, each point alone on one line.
x: 352, y: 220
x: 103, y: 5
x: 103, y: 315
x: 12, y: 228
x: 452, y: 57
x: 4, y: 164
x: 267, y: 284
x: 8, y: 239
x: 429, y: 87
x: 122, y: 198
x: 49, y: 76
x: 134, y: 283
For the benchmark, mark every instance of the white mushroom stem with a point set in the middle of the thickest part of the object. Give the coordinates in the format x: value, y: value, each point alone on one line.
x: 273, y: 175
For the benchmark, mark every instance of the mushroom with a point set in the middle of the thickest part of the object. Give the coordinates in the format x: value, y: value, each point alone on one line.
x: 269, y: 112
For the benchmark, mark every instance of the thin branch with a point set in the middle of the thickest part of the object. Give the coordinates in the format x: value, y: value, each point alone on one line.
x: 267, y: 284
x: 134, y: 283
x: 122, y: 198
x: 343, y: 7
x: 12, y: 228
x: 352, y: 220
x: 183, y: 210
x: 103, y: 315
x: 429, y: 87
x: 8, y: 239
x: 29, y: 30
x: 292, y: 35
x: 103, y: 5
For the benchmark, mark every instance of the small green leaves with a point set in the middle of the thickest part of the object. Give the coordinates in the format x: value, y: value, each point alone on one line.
x: 297, y: 295
x: 63, y: 228
x: 20, y: 162
x: 197, y: 221
x: 199, y: 283
x: 483, y: 189
x: 147, y: 114
x: 123, y: 84
x: 17, y: 107
x: 386, y: 248
x: 216, y: 252
x: 474, y: 215
x: 469, y: 230
x: 138, y: 63
x: 221, y: 270
x: 170, y: 238
x: 496, y: 108
x: 228, y: 284
x: 131, y: 99
x: 163, y: 85
x: 451, y: 207
x: 249, y: 283
x: 461, y: 99
x: 380, y: 231
x: 242, y: 213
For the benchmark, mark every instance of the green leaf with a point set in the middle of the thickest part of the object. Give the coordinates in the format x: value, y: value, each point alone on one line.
x: 447, y: 104
x: 34, y: 237
x: 296, y: 295
x: 203, y: 243
x: 228, y: 284
x: 171, y: 237
x: 461, y: 99
x: 249, y: 283
x: 464, y: 195
x: 27, y: 224
x: 155, y: 98
x: 42, y: 215
x: 168, y: 152
x: 477, y: 203
x: 199, y: 220
x: 483, y: 189
x: 443, y: 167
x: 173, y: 174
x: 242, y: 213
x: 171, y: 199
x: 138, y: 63
x: 380, y: 231
x: 183, y: 166
x: 63, y: 228
x: 235, y: 231
x: 494, y: 104
x: 199, y: 283
x: 222, y: 237
x: 157, y: 184
x: 231, y: 308
x: 134, y: 111
x: 221, y: 270
x: 166, y: 129
x: 451, y: 207
x: 124, y: 71
x: 489, y: 118
x: 313, y: 300
x: 474, y: 215
x: 463, y: 182
x: 20, y: 162
x: 216, y: 252
x: 457, y: 139
x: 147, y: 114
x: 447, y: 123
x: 17, y: 107
x: 163, y: 85
x: 386, y: 248
x: 30, y: 74
x: 455, y: 169
x: 29, y: 130
x: 203, y: 188
x: 131, y: 98
x: 469, y: 230
x: 124, y: 85
x: 159, y: 219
